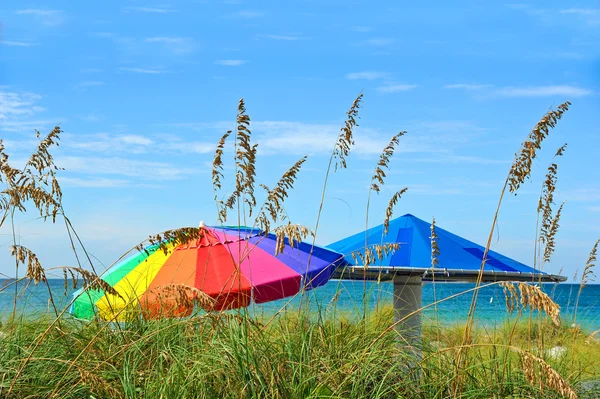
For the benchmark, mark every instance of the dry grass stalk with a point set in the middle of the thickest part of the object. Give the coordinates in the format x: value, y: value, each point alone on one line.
x: 520, y: 171
x: 345, y: 139
x: 521, y: 167
x: 591, y: 337
x: 217, y: 170
x: 389, y: 210
x: 545, y: 376
x: 35, y: 271
x: 170, y: 238
x: 184, y: 296
x: 36, y: 182
x: 245, y: 158
x: 384, y: 160
x: 435, y: 249
x: 549, y: 235
x: 245, y: 161
x: 90, y: 281
x: 373, y: 253
x: 532, y: 297
x: 549, y: 223
x: 588, y: 272
x: 98, y: 384
x: 294, y: 233
x: 273, y: 205
x: 587, y: 276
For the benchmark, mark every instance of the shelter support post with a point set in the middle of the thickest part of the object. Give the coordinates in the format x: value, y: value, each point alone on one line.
x: 407, y: 299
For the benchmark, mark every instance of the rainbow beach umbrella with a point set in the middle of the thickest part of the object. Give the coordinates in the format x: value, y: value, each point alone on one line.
x: 229, y: 266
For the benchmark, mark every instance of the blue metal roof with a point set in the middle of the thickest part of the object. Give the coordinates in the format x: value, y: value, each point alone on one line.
x: 413, y: 235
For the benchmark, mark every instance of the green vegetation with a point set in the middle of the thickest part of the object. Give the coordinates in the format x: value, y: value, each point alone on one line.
x: 234, y: 356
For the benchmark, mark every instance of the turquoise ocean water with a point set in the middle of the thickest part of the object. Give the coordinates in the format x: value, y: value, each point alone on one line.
x: 347, y: 297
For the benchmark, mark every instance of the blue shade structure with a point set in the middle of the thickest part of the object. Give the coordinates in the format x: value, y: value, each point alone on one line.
x: 459, y: 259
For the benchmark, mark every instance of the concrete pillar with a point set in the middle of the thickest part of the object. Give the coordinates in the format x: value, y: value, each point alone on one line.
x: 407, y: 299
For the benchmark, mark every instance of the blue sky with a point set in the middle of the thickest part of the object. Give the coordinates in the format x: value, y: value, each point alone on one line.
x: 144, y: 90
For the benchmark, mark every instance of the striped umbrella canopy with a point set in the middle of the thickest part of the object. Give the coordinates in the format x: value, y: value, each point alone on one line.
x: 226, y: 268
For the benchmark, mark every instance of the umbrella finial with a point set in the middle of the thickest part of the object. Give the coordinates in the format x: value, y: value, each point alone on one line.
x: 201, y: 225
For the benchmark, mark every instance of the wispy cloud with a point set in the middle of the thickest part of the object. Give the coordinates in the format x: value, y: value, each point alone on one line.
x: 90, y: 118
x: 468, y: 159
x: 281, y: 37
x: 16, y: 43
x: 590, y: 15
x: 93, y: 182
x: 396, y: 88
x: 467, y: 86
x: 361, y: 29
x: 126, y: 143
x: 367, y: 75
x: 176, y: 45
x: 583, y: 194
x: 19, y: 112
x: 92, y: 70
x: 90, y: 83
x: 153, y: 10
x: 14, y: 104
x: 143, y: 70
x: 144, y: 170
x: 231, y: 62
x: 377, y: 42
x: 107, y: 143
x: 47, y: 18
x: 249, y: 14
x: 581, y: 11
x: 542, y: 91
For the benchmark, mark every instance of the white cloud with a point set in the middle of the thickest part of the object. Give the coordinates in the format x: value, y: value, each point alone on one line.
x: 13, y: 104
x: 92, y: 70
x: 542, y: 91
x: 231, y: 62
x: 107, y: 143
x: 396, y: 88
x: 377, y: 42
x: 144, y: 170
x: 153, y: 10
x: 581, y: 11
x: 281, y: 37
x: 276, y: 137
x: 249, y: 14
x: 190, y: 147
x: 367, y: 75
x: 90, y: 83
x: 177, y: 45
x: 17, y: 110
x: 361, y: 29
x: 110, y: 143
x: 47, y: 18
x: 589, y: 15
x: 143, y: 70
x: 583, y: 194
x: 90, y: 118
x: 467, y: 86
x: 453, y: 158
x: 16, y: 43
x: 135, y: 139
x: 92, y: 182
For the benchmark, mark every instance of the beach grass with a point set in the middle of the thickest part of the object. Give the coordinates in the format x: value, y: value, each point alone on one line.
x: 293, y: 355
